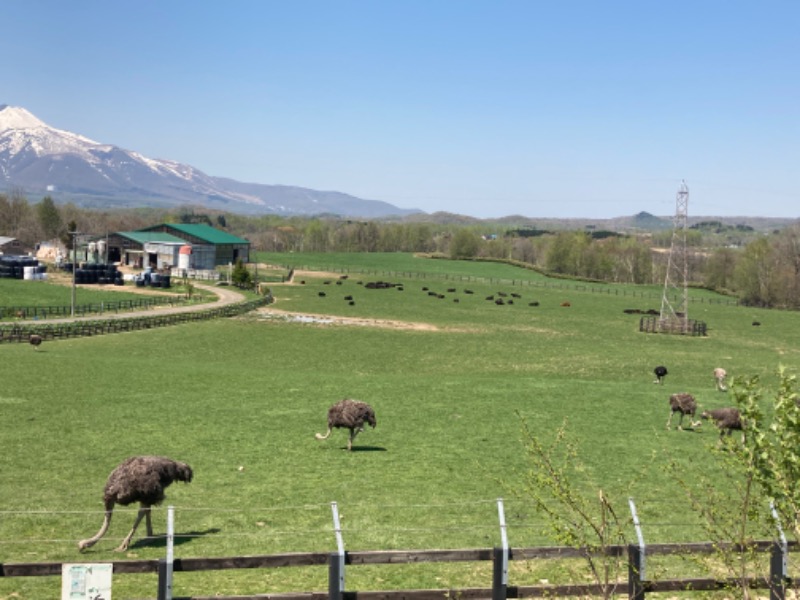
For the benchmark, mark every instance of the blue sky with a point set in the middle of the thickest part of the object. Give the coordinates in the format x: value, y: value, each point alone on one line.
x: 488, y: 108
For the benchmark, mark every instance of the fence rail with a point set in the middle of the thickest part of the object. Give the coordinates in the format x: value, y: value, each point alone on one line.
x: 81, y: 310
x: 200, y: 274
x: 691, y: 327
x: 633, y: 587
x: 22, y: 333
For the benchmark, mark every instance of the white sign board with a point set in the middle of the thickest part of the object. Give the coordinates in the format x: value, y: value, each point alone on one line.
x: 86, y: 582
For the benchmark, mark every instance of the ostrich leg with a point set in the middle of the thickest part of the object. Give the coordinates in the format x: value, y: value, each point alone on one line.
x: 148, y: 523
x: 353, y: 434
x: 144, y: 511
x: 83, y: 544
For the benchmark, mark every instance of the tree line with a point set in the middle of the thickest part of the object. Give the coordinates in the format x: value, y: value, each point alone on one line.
x: 759, y: 268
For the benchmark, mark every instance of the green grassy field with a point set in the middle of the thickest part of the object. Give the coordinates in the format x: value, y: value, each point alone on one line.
x: 17, y: 292
x: 240, y: 400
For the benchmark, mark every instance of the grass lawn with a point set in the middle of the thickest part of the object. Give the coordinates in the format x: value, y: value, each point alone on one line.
x: 240, y: 400
x: 57, y: 293
x: 19, y: 292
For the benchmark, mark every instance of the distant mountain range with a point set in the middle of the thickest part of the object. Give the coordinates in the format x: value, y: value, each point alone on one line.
x: 42, y: 160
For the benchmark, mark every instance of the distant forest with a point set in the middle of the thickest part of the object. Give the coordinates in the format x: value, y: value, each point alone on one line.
x: 759, y: 267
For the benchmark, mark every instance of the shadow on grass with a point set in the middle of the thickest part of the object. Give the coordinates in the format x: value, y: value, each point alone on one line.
x: 366, y: 449
x: 160, y: 541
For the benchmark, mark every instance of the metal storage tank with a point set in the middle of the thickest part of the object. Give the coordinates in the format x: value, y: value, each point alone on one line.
x: 185, y: 257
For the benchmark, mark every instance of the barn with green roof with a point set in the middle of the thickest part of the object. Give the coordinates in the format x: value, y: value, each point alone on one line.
x: 170, y: 244
x: 228, y: 248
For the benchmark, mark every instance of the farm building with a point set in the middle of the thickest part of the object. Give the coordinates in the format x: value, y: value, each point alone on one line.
x: 172, y: 245
x: 9, y: 245
x: 227, y: 248
x: 141, y: 249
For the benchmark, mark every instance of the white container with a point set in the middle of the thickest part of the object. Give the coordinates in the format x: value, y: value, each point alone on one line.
x: 185, y: 257
x: 29, y: 273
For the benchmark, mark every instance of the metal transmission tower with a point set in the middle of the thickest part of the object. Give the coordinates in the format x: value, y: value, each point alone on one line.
x: 675, y: 318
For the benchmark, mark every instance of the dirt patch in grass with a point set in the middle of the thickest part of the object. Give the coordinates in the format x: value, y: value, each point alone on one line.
x: 276, y: 314
x: 298, y: 276
x: 270, y: 313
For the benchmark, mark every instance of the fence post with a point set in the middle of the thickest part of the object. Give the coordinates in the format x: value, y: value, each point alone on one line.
x: 635, y: 585
x: 777, y: 576
x: 500, y: 558
x: 636, y: 559
x: 165, y: 564
x: 499, y: 574
x: 336, y: 561
x: 640, y: 537
x: 778, y: 561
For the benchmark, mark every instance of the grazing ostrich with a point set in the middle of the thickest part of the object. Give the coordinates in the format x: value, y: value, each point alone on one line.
x: 350, y: 414
x: 684, y: 404
x: 661, y: 372
x: 719, y: 377
x: 726, y: 419
x: 138, y: 479
x: 35, y: 341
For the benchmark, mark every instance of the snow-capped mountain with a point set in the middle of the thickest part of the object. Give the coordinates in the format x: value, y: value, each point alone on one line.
x: 42, y: 160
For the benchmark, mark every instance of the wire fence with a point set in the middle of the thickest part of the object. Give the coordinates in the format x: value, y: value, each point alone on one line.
x: 559, y: 284
x: 635, y: 572
x: 380, y: 524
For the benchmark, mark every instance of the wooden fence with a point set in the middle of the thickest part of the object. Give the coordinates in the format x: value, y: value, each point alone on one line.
x: 81, y: 310
x: 634, y: 587
x: 22, y: 333
x: 674, y: 326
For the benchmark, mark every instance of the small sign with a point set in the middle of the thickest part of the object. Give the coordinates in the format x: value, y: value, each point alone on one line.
x: 86, y: 582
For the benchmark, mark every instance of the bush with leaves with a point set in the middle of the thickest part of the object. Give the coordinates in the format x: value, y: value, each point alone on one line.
x: 590, y: 525
x: 241, y: 276
x: 734, y: 493
x: 773, y: 443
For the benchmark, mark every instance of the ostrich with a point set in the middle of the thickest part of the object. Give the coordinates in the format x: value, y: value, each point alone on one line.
x: 719, y: 377
x: 138, y: 479
x: 661, y: 372
x: 726, y: 419
x: 684, y: 404
x: 35, y: 341
x: 350, y: 414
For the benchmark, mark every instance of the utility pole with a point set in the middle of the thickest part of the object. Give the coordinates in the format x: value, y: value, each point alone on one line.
x: 255, y: 277
x: 74, y: 235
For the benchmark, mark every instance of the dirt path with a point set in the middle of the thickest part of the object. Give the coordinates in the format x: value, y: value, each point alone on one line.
x: 227, y: 295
